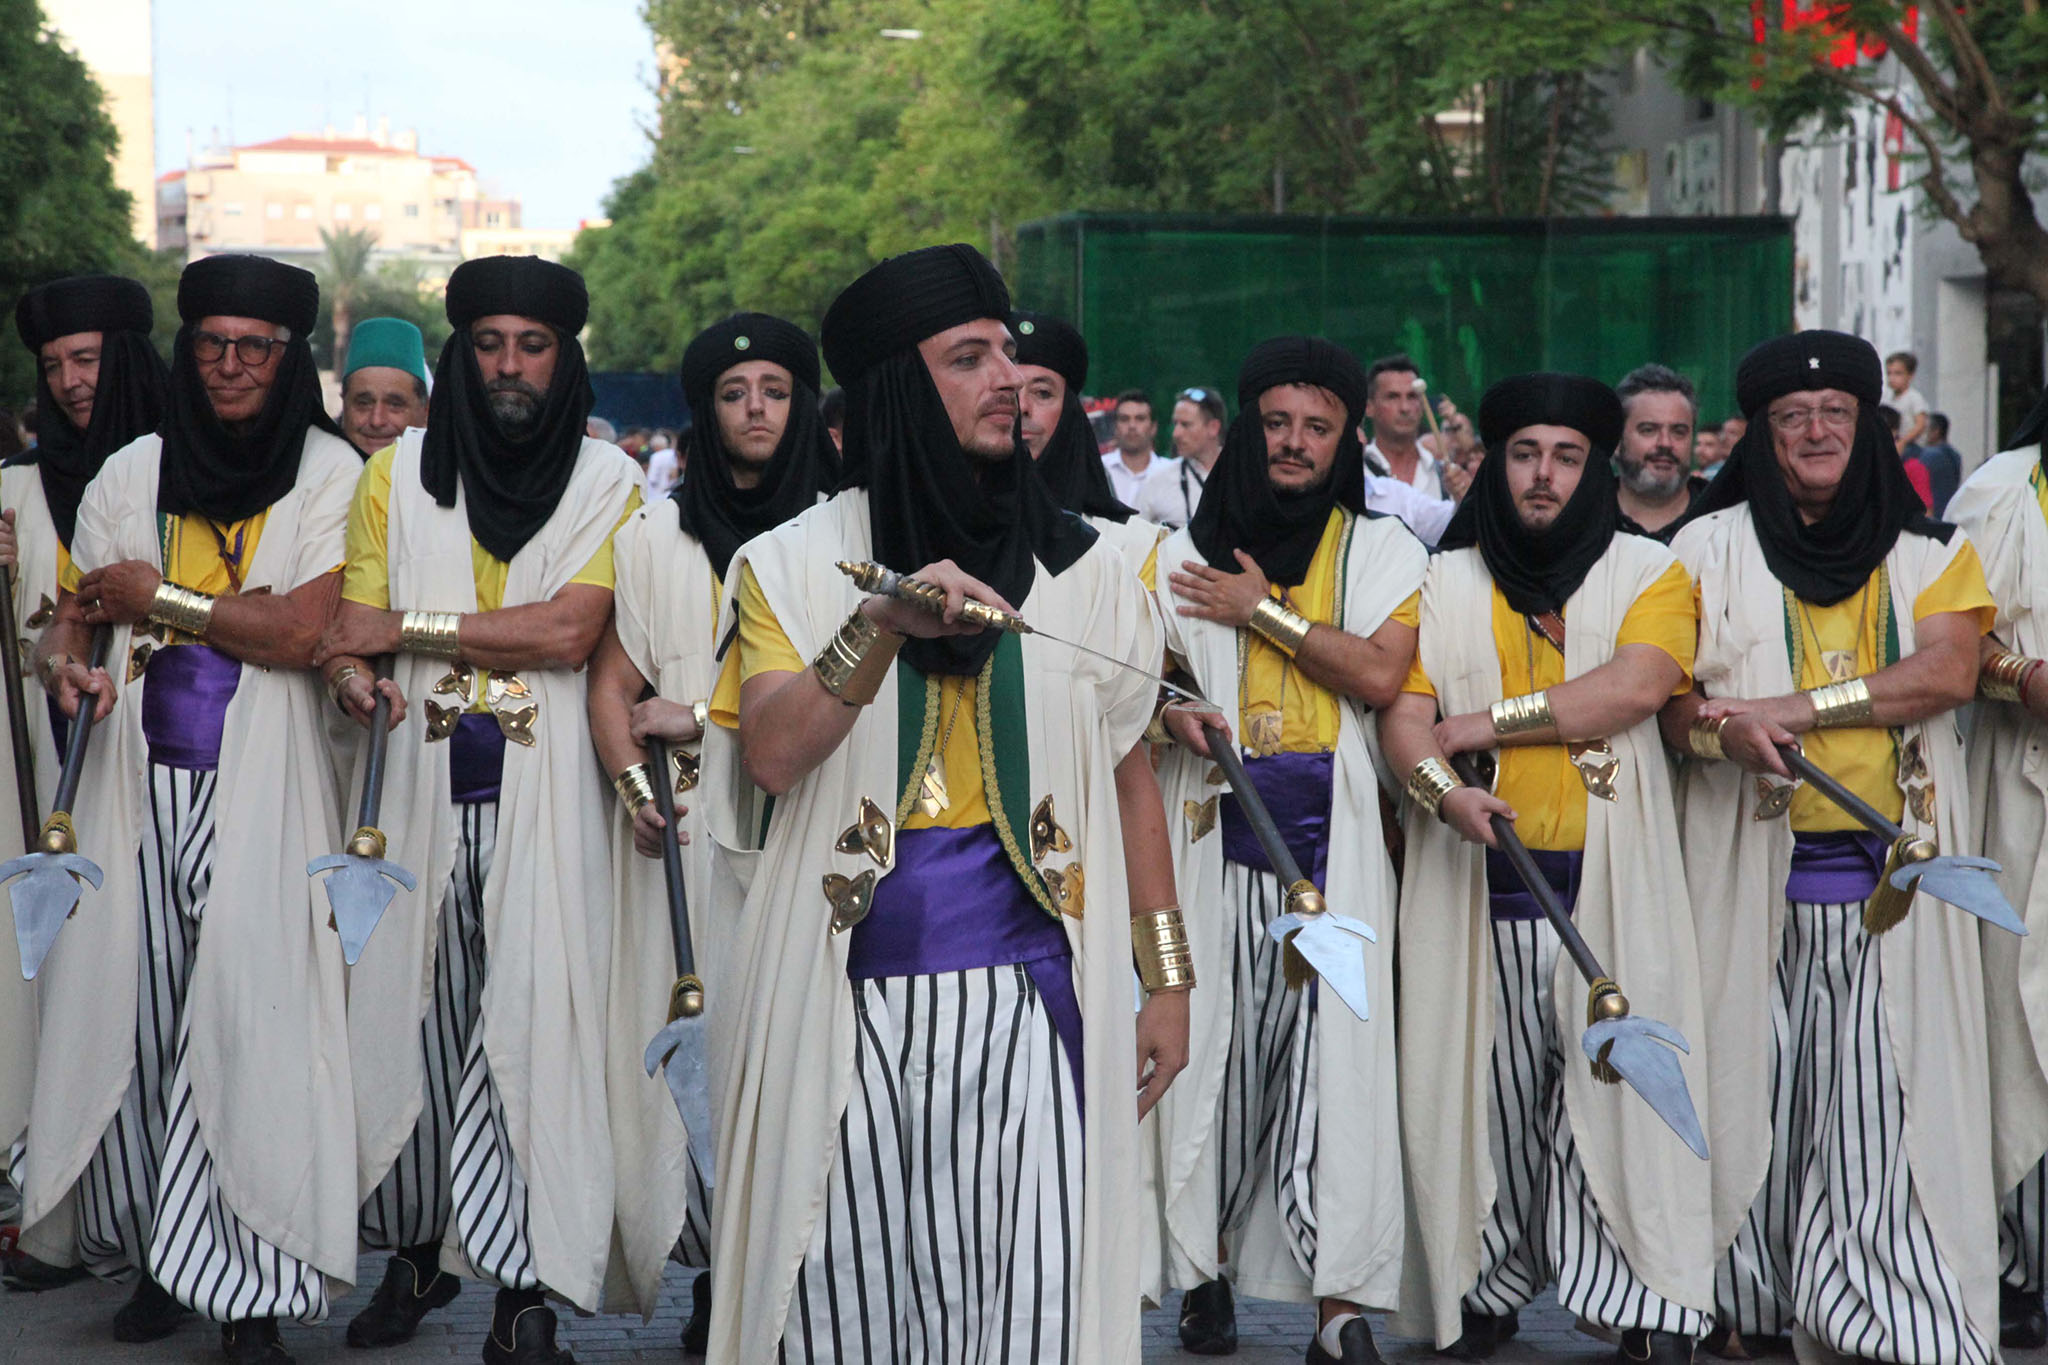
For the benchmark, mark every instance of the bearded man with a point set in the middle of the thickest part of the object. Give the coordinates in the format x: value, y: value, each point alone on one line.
x: 1295, y: 613
x: 913, y: 1037
x: 479, y: 552
x: 1852, y: 1173
x: 760, y: 455
x: 1525, y: 1169
x: 1656, y: 482
x: 205, y: 1153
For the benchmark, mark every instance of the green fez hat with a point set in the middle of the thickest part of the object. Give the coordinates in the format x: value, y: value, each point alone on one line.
x: 389, y: 343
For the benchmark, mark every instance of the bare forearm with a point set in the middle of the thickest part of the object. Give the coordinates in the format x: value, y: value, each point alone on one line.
x: 66, y: 635
x: 272, y: 631
x: 789, y: 724
x: 1148, y: 859
x: 1619, y: 694
x: 1370, y: 668
x: 559, y: 633
x: 1408, y: 732
x: 1676, y: 717
x: 615, y: 685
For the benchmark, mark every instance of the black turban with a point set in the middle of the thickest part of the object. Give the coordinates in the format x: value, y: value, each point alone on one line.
x: 928, y: 498
x: 1070, y: 465
x: 711, y: 506
x: 1835, y: 556
x: 510, y: 487
x: 523, y: 286
x: 205, y: 467
x: 1538, y: 571
x: 129, y: 397
x: 906, y: 299
x: 2033, y: 428
x: 1240, y: 508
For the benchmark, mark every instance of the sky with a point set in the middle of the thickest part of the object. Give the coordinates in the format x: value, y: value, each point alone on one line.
x: 550, y: 100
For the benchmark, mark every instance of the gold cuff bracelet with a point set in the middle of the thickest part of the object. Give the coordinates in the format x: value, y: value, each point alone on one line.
x: 431, y: 633
x: 1706, y: 738
x: 1430, y: 782
x: 2005, y: 675
x: 635, y: 787
x: 1521, y: 715
x: 1279, y: 623
x: 1159, y: 945
x: 856, y: 659
x: 183, y: 610
x: 1840, y: 704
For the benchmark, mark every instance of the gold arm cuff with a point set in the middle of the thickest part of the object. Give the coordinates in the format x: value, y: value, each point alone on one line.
x: 1285, y: 627
x: 183, y: 610
x: 856, y: 659
x: 635, y: 786
x: 1159, y: 945
x: 1840, y: 704
x: 1430, y: 782
x: 432, y: 633
x: 1706, y: 738
x: 2005, y: 676
x: 700, y: 711
x: 1156, y: 732
x: 1522, y: 715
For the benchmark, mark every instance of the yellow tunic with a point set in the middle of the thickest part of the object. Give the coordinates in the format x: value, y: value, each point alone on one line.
x: 1865, y: 758
x: 1539, y: 780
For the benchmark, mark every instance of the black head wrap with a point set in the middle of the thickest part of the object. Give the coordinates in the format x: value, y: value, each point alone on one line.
x: 509, y: 487
x: 1875, y: 502
x: 2033, y: 429
x: 206, y: 468
x: 1070, y: 465
x: 929, y: 499
x: 1240, y: 510
x: 1538, y: 571
x: 722, y: 515
x: 128, y: 401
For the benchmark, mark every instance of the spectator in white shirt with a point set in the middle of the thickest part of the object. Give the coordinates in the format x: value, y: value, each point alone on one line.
x: 663, y: 469
x: 1899, y: 369
x: 1426, y: 516
x: 1395, y: 410
x: 1134, y: 463
x: 1198, y: 418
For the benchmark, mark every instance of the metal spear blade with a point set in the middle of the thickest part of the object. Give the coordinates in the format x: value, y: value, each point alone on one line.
x: 1651, y: 1069
x: 1966, y: 883
x: 678, y: 1051
x: 1329, y: 943
x: 359, y: 894
x: 43, y: 899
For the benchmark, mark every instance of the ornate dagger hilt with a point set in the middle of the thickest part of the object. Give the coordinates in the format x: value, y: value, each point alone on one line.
x: 886, y: 582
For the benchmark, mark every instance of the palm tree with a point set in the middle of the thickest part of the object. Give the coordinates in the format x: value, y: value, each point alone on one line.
x: 344, y: 273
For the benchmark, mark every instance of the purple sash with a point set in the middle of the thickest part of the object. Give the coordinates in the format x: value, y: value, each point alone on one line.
x: 1296, y: 789
x: 953, y: 903
x: 185, y: 694
x: 1509, y: 897
x: 1839, y: 868
x: 476, y: 759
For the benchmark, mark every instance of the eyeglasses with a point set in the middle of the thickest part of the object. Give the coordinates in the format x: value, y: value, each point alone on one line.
x: 252, y: 351
x: 1796, y: 419
x: 1195, y: 395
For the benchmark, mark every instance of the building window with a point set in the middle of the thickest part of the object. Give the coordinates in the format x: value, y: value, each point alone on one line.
x: 303, y: 212
x: 494, y: 220
x: 412, y: 210
x: 342, y: 213
x: 273, y: 210
x: 231, y: 210
x: 373, y: 212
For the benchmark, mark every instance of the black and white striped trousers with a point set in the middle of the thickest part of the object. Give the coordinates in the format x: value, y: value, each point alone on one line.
x: 1837, y: 1240
x: 1544, y: 1223
x: 1267, y: 1126
x: 951, y: 1227
x: 2023, y: 1232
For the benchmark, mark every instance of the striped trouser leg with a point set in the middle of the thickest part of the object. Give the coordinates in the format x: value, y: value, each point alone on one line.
x: 410, y: 1206
x: 1297, y: 1129
x: 2023, y: 1231
x: 1868, y: 1279
x: 198, y: 1249
x: 1512, y: 1265
x: 951, y: 1221
x: 117, y: 1190
x: 1263, y: 1026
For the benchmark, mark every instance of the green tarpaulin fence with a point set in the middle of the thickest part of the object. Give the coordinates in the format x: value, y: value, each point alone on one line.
x: 1172, y: 300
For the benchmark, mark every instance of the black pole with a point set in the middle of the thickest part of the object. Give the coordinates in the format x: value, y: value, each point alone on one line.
x: 1828, y: 786
x: 380, y: 742
x: 1224, y: 750
x: 671, y: 858
x: 1533, y: 878
x: 81, y: 729
x: 17, y: 717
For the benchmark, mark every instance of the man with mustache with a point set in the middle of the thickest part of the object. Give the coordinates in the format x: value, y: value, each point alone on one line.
x: 190, y: 1142
x: 479, y: 552
x: 931, y: 974
x: 1279, y: 1156
x: 1656, y: 482
x: 1586, y: 635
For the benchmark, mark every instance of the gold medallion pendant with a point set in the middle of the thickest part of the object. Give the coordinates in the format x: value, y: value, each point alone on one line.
x: 1839, y: 663
x: 932, y: 797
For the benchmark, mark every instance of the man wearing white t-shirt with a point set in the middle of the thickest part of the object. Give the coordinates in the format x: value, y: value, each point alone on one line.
x: 1395, y: 410
x: 1134, y: 464
x: 1899, y: 369
x: 1198, y: 418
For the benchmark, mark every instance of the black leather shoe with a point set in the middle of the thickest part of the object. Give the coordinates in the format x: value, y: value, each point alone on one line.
x: 523, y: 1331
x: 413, y: 1286
x: 1640, y: 1346
x: 150, y: 1314
x: 253, y: 1342
x: 1208, y: 1320
x: 24, y: 1273
x: 1356, y: 1339
x: 2022, y: 1320
x: 697, y: 1327
x: 1482, y: 1334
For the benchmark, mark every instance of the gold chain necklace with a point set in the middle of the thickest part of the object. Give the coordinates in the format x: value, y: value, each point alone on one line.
x: 932, y: 796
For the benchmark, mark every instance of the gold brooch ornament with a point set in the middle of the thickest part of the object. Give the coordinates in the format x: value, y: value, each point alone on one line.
x: 1597, y: 764
x: 1201, y: 816
x: 1067, y: 889
x: 515, y: 706
x: 1773, y: 799
x: 458, y: 682
x: 1262, y: 733
x: 1920, y: 800
x: 138, y: 660
x: 1214, y: 777
x: 1046, y: 834
x: 687, y: 765
x: 870, y: 833
x: 850, y: 898
x: 441, y: 720
x: 40, y: 617
x: 1912, y: 762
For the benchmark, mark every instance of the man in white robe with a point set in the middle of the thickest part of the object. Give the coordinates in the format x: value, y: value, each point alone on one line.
x: 760, y: 454
x: 933, y: 961
x: 208, y: 1153
x: 479, y: 552
x: 1279, y: 1157
x: 1848, y: 1080
x: 1589, y: 633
